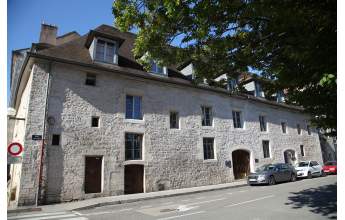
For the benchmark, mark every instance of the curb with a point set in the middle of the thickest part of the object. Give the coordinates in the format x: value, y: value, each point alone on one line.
x: 34, y: 209
x: 153, y: 197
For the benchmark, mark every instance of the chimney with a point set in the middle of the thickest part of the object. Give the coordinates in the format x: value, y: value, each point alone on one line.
x: 48, y: 34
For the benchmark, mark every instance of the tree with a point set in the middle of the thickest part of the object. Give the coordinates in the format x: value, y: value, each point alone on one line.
x: 291, y: 42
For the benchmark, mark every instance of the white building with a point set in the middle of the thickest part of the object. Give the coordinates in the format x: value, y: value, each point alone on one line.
x: 111, y: 128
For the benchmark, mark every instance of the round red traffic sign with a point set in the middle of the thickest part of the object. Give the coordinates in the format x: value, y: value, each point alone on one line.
x: 15, y: 148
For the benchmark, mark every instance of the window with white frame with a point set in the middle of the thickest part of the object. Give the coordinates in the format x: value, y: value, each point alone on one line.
x: 302, y: 150
x: 133, y: 107
x: 174, y: 120
x: 263, y: 124
x: 266, y: 148
x: 208, y: 148
x: 105, y: 51
x: 206, y: 116
x: 133, y: 145
x: 283, y: 124
x: 236, y: 117
x: 157, y: 69
x: 308, y: 130
x: 298, y: 129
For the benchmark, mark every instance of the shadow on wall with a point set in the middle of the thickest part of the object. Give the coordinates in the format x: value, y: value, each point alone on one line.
x: 328, y: 149
x: 321, y: 200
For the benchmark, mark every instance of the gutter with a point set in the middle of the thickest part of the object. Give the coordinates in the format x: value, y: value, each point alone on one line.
x: 170, y: 81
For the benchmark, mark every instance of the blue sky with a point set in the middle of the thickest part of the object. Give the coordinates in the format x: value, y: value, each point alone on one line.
x: 24, y: 18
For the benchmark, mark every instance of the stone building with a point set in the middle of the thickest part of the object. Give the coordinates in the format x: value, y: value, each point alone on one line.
x: 111, y: 128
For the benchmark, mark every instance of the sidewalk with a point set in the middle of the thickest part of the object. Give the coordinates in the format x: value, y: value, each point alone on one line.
x: 111, y: 200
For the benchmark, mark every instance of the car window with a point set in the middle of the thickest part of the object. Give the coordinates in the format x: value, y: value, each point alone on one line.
x: 303, y: 164
x: 331, y: 163
x: 314, y: 163
x: 284, y: 166
x: 265, y: 168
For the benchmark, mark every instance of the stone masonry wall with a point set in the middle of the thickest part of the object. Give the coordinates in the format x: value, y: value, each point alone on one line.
x: 174, y: 157
x: 34, y: 125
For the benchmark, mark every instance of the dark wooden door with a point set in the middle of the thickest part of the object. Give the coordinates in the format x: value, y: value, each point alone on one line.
x: 93, y: 174
x: 134, y: 177
x: 241, y: 166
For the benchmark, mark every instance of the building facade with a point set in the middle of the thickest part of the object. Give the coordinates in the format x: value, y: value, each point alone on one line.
x: 111, y: 128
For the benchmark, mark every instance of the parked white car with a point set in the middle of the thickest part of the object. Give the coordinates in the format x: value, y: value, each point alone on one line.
x: 309, y: 169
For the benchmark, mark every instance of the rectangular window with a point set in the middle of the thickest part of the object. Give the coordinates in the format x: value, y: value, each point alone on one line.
x: 56, y: 139
x: 105, y: 51
x: 266, y: 148
x: 133, y: 107
x: 298, y: 129
x: 308, y: 129
x: 95, y: 121
x: 155, y: 68
x: 206, y: 116
x: 208, y: 148
x: 236, y: 117
x: 174, y: 120
x: 302, y: 150
x: 90, y: 79
x: 283, y: 127
x: 263, y: 124
x: 133, y: 145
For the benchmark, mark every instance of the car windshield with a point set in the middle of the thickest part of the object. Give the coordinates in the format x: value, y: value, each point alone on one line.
x: 331, y: 163
x: 265, y: 168
x: 303, y: 164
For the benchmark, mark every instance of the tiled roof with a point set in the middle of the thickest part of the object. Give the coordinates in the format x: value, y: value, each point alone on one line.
x: 76, y: 50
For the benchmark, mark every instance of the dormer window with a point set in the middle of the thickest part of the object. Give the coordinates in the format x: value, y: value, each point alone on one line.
x: 258, y: 90
x: 105, y: 51
x: 280, y: 96
x: 157, y: 69
x: 232, y: 84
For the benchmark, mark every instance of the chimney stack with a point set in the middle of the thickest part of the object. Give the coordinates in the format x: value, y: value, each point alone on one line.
x: 48, y: 34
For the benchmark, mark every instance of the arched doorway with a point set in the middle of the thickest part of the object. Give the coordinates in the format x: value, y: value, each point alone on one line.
x: 241, y: 163
x: 290, y: 157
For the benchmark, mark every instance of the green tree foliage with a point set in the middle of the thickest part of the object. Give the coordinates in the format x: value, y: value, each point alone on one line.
x: 291, y: 42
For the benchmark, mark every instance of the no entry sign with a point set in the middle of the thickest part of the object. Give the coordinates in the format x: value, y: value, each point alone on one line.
x: 15, y: 148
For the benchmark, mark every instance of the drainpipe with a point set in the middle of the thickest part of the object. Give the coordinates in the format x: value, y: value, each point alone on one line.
x: 40, y: 168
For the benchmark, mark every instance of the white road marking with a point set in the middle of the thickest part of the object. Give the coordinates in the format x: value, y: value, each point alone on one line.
x: 229, y: 193
x: 184, y: 208
x: 77, y: 213
x: 185, y: 200
x: 242, y: 191
x: 249, y: 201
x: 202, y: 197
x: 167, y: 203
x: 145, y: 206
x: 106, y: 212
x: 179, y: 216
x: 207, y: 201
x: 36, y: 215
x: 77, y: 218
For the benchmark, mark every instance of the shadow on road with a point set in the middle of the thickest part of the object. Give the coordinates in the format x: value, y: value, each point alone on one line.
x: 321, y: 200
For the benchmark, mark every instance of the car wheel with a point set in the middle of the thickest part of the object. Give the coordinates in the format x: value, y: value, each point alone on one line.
x: 271, y: 181
x: 323, y: 173
x: 309, y: 175
x: 293, y: 178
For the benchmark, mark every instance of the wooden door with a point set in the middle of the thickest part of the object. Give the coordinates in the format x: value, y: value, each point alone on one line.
x: 134, y: 178
x: 93, y: 174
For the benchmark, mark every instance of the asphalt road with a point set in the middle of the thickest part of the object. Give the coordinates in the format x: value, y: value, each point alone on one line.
x: 305, y: 199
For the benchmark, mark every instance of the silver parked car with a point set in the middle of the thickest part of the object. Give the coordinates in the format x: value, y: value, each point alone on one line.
x: 272, y: 173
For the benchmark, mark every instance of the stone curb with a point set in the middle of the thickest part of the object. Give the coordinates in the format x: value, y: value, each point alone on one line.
x: 33, y: 209
x: 100, y: 204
